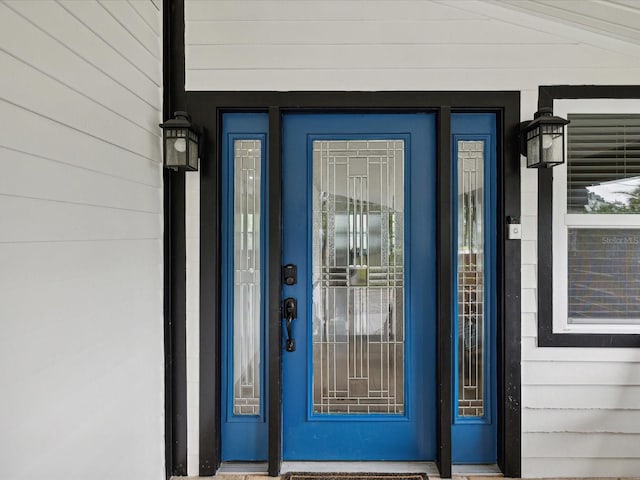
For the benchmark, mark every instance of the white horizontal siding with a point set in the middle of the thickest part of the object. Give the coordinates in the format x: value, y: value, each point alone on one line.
x: 148, y: 11
x: 482, y: 78
x: 579, y: 445
x: 26, y: 219
x: 582, y: 467
x: 545, y: 420
x: 383, y: 45
x: 587, y: 397
x: 136, y: 26
x: 81, y: 354
x: 391, y: 57
x: 360, y: 32
x: 618, y: 18
x: 329, y: 10
x: 72, y: 108
x: 580, y: 406
x: 31, y: 176
x: 81, y: 368
x: 88, y: 30
x: 69, y: 68
x: 586, y: 372
x: 72, y: 147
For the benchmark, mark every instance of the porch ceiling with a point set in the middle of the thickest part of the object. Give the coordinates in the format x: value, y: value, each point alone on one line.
x: 619, y: 19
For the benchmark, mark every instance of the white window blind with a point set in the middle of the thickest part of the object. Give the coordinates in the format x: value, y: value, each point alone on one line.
x: 603, y: 170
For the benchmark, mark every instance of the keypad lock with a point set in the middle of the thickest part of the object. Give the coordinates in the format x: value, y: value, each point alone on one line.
x: 290, y: 274
x: 290, y: 311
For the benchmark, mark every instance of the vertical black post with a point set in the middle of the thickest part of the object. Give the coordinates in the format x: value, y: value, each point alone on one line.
x: 509, y: 313
x: 175, y: 342
x: 166, y: 215
x: 210, y: 288
x: 545, y: 239
x: 168, y: 339
x: 444, y: 274
x: 178, y: 324
x: 275, y: 293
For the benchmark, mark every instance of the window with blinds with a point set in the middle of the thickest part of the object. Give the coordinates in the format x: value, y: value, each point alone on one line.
x: 603, y: 168
x: 603, y: 179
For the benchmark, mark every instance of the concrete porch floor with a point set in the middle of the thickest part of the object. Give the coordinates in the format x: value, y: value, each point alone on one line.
x: 253, y: 476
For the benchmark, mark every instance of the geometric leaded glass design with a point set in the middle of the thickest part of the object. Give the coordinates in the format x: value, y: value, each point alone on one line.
x: 246, y: 273
x: 358, y: 277
x: 470, y: 277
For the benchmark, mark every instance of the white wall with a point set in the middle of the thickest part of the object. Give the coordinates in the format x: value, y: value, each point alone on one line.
x: 580, y: 406
x: 192, y: 247
x: 81, y: 284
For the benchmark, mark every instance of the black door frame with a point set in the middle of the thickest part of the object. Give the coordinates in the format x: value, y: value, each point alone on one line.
x: 206, y: 109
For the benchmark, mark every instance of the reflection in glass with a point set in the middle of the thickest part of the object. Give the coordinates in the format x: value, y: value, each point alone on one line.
x: 604, y: 275
x: 246, y: 267
x: 603, y: 163
x: 471, y: 282
x: 358, y: 276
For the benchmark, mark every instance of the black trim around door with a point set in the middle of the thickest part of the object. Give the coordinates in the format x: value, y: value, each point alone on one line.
x: 275, y: 291
x: 444, y: 295
x: 206, y: 109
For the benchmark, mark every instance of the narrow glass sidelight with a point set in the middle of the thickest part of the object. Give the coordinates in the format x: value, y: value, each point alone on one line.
x: 358, y: 277
x: 246, y: 277
x: 244, y: 214
x: 471, y: 279
x: 474, y: 161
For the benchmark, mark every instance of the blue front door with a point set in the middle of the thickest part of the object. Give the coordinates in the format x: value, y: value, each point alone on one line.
x: 359, y: 197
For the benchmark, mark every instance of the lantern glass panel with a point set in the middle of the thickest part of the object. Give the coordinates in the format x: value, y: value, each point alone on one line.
x: 193, y: 154
x: 175, y: 152
x: 533, y: 147
x: 552, y: 144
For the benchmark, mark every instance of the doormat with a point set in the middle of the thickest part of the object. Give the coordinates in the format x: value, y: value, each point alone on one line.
x: 353, y: 476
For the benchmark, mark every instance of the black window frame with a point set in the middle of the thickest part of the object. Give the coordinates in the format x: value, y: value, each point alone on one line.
x: 546, y: 336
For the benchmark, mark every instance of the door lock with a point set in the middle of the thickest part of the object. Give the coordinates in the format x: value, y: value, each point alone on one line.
x: 290, y: 310
x: 290, y: 274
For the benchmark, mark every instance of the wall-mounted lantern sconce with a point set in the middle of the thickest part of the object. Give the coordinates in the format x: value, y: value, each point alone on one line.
x: 181, y: 142
x: 542, y: 139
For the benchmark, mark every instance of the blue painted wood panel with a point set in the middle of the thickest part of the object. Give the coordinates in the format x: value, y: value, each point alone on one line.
x: 474, y: 438
x: 408, y: 436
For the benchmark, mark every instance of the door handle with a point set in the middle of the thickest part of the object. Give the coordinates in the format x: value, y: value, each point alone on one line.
x: 290, y: 310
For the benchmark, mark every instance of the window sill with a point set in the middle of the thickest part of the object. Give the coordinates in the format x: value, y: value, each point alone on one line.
x: 587, y: 329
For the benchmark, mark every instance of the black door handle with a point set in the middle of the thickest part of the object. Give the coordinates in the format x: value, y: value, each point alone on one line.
x: 290, y: 310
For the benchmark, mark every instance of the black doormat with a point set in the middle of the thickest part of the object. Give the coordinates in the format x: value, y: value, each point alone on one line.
x: 353, y: 476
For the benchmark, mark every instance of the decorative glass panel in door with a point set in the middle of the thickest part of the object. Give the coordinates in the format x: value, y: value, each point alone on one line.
x: 357, y: 276
x: 358, y: 218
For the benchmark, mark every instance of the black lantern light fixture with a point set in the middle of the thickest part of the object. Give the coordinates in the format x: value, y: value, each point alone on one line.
x: 542, y: 139
x: 181, y: 142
